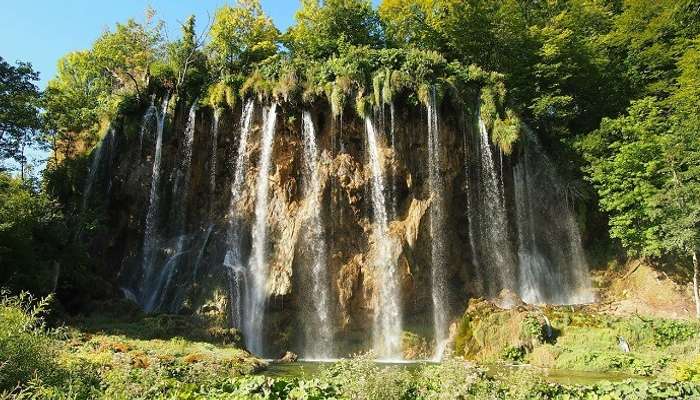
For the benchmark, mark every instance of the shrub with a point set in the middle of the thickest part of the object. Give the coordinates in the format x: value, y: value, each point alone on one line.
x: 668, y: 332
x: 687, y: 371
x: 362, y: 378
x: 513, y: 353
x: 26, y: 349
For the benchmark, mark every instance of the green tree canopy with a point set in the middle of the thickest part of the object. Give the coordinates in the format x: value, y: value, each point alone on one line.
x: 242, y: 36
x: 128, y: 53
x: 323, y: 28
x: 19, y: 115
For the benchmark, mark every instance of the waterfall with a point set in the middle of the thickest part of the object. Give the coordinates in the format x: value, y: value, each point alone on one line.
x: 394, y: 172
x: 214, y: 150
x: 180, y: 191
x: 97, y: 156
x: 233, y: 260
x: 319, y: 331
x: 437, y: 224
x: 258, y: 264
x: 551, y: 262
x: 471, y: 220
x: 200, y: 254
x: 387, y: 312
x: 150, y: 232
x: 151, y: 112
x: 495, y: 238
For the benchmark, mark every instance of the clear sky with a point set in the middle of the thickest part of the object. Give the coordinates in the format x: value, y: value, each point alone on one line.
x: 41, y: 31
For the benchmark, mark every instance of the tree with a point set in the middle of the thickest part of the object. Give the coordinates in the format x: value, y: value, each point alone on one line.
x: 645, y: 168
x: 185, y: 56
x: 128, y: 53
x: 32, y: 236
x: 19, y: 115
x: 323, y: 28
x: 78, y: 94
x: 242, y: 36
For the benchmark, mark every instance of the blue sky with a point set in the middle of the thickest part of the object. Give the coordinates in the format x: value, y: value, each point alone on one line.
x: 41, y: 31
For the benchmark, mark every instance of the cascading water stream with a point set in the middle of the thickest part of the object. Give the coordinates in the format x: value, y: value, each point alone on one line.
x: 387, y: 316
x: 469, y: 153
x: 394, y: 172
x: 151, y: 112
x: 180, y: 191
x: 495, y: 238
x: 258, y: 269
x: 319, y: 331
x: 233, y: 260
x: 552, y: 268
x: 150, y: 232
x: 214, y: 150
x: 437, y: 223
x: 212, y: 191
x: 98, y: 155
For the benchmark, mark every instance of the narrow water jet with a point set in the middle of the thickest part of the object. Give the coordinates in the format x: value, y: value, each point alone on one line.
x: 469, y: 175
x: 319, y: 331
x: 439, y: 291
x: 258, y: 268
x: 151, y: 113
x: 388, y: 323
x: 214, y: 151
x: 152, y: 215
x: 233, y: 261
x: 394, y: 172
x: 200, y: 254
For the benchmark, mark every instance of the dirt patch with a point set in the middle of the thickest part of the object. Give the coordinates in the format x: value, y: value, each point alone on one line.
x: 638, y: 288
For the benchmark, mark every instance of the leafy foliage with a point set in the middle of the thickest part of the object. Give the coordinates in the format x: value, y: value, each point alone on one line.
x: 327, y: 28
x: 242, y: 36
x: 32, y: 237
x: 25, y: 348
x: 19, y: 101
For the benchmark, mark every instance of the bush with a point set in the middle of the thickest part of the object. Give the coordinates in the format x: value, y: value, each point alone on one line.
x: 668, y: 332
x: 513, y: 353
x: 687, y: 371
x: 26, y: 349
x: 362, y: 378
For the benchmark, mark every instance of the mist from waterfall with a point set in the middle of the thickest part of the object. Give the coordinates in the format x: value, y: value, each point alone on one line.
x: 436, y: 185
x: 388, y: 324
x: 319, y: 330
x: 258, y: 269
x: 552, y: 267
x: 180, y: 190
x: 150, y: 232
x: 496, y: 246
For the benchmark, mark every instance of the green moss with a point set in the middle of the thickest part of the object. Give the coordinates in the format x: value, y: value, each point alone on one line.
x: 506, y: 131
x: 583, y: 340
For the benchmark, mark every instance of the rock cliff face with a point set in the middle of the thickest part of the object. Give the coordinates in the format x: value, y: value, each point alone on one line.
x: 198, y: 274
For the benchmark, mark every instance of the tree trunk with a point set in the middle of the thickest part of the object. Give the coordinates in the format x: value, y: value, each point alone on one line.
x: 696, y: 281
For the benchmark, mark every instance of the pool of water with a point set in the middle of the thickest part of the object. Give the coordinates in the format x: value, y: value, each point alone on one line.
x: 310, y: 369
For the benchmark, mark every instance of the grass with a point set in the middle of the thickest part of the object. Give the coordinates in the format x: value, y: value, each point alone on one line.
x: 145, y: 358
x: 582, y: 340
